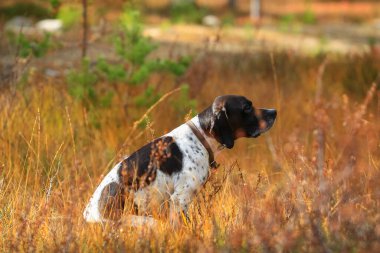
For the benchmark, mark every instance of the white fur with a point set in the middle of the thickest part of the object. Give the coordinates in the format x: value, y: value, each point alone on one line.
x: 91, y: 212
x: 178, y: 188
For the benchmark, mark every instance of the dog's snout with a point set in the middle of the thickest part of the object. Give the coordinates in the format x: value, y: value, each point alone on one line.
x: 269, y: 114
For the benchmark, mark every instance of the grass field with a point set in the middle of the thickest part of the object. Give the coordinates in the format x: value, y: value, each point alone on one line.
x: 309, y: 185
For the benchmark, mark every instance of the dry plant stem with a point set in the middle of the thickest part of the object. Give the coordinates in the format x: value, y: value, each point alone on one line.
x: 275, y: 79
x: 320, y: 133
x: 269, y: 141
x: 72, y: 135
x: 136, y: 123
x: 19, y: 66
x: 358, y: 119
x: 85, y: 28
x: 315, y: 215
x: 315, y: 221
x: 268, y: 138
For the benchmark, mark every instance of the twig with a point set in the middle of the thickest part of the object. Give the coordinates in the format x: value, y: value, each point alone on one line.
x: 136, y: 123
x: 320, y: 118
x: 319, y: 132
x: 49, y: 189
x: 316, y: 228
x: 268, y: 138
x: 358, y: 118
x: 85, y: 28
x: 273, y: 153
x: 275, y: 79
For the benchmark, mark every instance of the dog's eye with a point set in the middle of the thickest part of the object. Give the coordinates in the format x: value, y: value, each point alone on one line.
x: 248, y: 109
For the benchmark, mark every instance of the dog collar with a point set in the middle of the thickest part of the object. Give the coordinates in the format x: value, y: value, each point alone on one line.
x: 212, y: 163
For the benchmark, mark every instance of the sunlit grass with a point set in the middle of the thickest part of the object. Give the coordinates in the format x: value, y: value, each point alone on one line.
x: 54, y: 152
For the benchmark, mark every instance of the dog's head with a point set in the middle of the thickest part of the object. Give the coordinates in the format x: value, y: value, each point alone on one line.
x: 233, y: 117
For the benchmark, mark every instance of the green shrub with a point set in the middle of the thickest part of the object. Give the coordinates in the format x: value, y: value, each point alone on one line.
x: 148, y: 97
x: 145, y: 70
x: 308, y: 17
x: 25, y: 9
x: 287, y: 22
x: 134, y: 67
x: 133, y: 50
x: 186, y: 12
x: 81, y: 83
x: 30, y: 47
x: 55, y: 4
x: 111, y: 72
x: 69, y: 15
x: 183, y: 104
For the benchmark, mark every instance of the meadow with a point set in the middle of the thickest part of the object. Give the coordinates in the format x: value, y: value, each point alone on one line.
x: 311, y: 184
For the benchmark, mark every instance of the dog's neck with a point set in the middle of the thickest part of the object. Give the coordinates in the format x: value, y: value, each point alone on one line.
x: 205, y: 129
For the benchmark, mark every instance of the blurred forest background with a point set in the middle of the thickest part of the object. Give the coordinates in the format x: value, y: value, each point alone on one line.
x: 85, y: 82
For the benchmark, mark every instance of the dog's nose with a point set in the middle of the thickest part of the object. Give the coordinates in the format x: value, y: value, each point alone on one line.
x: 269, y: 113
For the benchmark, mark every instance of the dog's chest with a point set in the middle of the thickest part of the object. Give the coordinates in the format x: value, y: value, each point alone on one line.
x: 195, y: 156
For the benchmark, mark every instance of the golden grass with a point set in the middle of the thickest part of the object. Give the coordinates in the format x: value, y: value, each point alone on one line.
x: 52, y: 157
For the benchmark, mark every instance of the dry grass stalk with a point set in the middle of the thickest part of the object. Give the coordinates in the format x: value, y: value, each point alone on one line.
x: 244, y: 207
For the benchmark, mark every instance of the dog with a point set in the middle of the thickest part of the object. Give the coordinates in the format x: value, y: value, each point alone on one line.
x: 173, y: 168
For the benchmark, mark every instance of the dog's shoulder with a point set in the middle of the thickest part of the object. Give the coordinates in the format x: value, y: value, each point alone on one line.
x: 140, y: 168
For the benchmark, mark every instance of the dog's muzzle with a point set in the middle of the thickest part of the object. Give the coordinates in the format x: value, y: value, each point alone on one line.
x: 266, y: 120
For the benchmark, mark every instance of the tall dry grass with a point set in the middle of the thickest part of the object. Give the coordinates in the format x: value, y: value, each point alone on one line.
x: 311, y: 184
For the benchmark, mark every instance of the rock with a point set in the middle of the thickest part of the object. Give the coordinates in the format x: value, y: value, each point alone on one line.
x: 211, y: 20
x: 50, y: 25
x: 19, y: 24
x: 51, y: 73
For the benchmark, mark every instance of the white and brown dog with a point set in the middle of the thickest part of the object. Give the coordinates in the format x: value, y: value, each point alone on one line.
x: 173, y: 168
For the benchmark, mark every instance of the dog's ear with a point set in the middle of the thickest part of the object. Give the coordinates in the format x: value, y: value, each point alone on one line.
x: 220, y: 124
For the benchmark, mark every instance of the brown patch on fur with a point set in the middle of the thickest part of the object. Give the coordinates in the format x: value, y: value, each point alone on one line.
x: 239, y: 133
x: 263, y: 124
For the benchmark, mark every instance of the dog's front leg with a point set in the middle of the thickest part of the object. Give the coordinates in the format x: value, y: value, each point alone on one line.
x: 178, y: 214
x: 180, y: 201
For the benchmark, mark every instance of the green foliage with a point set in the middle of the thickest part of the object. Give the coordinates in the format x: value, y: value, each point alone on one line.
x: 148, y: 97
x: 134, y: 67
x: 183, y: 104
x: 31, y: 47
x: 371, y: 41
x: 131, y: 45
x: 106, y: 99
x: 186, y: 12
x: 111, y: 72
x: 321, y: 50
x: 141, y: 74
x: 130, y: 21
x: 133, y: 50
x: 81, y: 83
x: 228, y: 19
x: 25, y: 9
x: 287, y: 22
x: 308, y: 17
x: 144, y: 123
x: 55, y: 3
x: 69, y: 15
x: 144, y: 71
x: 178, y: 68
